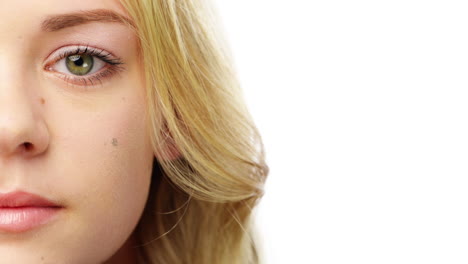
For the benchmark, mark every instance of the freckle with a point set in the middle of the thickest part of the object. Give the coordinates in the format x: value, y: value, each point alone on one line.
x: 115, y: 142
x: 123, y: 98
x: 42, y: 101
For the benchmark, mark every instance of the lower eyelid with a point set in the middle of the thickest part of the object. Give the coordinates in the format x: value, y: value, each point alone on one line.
x: 94, y: 79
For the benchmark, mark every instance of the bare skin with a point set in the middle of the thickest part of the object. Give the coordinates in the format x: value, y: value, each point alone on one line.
x: 86, y: 147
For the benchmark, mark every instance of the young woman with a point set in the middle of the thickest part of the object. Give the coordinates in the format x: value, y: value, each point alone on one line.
x: 124, y: 137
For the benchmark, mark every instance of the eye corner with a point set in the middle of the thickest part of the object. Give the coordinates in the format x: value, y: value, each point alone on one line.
x: 47, y: 67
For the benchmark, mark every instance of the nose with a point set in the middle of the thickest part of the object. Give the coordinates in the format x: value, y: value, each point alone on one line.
x: 21, y: 133
x: 23, y: 130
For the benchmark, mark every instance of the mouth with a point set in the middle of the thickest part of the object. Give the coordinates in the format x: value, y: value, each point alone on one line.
x: 21, y: 211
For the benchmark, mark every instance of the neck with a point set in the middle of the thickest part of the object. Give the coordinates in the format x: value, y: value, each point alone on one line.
x: 127, y: 254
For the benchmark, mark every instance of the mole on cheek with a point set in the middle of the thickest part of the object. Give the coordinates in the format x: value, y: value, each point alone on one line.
x: 42, y: 101
x: 115, y: 142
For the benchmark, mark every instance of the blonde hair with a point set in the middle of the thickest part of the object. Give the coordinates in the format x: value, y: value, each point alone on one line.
x: 200, y: 205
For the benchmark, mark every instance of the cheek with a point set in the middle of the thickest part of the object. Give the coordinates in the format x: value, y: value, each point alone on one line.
x: 117, y: 160
x: 107, y: 158
x: 112, y: 151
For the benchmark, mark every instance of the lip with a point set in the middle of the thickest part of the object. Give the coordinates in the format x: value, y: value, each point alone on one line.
x: 21, y: 211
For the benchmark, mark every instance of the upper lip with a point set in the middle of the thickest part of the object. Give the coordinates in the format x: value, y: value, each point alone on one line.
x: 24, y: 199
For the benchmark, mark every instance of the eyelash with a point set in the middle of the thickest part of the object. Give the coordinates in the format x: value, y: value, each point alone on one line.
x: 113, y: 65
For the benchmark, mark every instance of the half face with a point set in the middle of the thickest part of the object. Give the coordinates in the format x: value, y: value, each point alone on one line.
x: 72, y: 130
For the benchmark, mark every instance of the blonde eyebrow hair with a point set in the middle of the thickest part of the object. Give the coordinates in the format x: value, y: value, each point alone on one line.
x: 57, y: 22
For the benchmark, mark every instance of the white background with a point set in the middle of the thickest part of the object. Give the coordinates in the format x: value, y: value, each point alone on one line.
x: 363, y: 108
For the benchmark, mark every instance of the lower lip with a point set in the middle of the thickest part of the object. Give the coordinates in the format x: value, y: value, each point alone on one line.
x: 20, y: 219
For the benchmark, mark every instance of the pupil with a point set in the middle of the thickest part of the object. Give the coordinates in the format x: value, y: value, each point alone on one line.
x: 79, y: 62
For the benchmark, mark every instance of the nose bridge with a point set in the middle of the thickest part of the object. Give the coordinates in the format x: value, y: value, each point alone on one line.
x: 15, y: 79
x: 21, y: 123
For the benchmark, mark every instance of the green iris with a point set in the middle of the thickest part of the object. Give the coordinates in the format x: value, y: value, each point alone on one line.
x: 80, y: 64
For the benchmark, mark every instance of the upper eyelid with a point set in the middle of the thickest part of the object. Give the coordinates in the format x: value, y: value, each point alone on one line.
x: 54, y: 56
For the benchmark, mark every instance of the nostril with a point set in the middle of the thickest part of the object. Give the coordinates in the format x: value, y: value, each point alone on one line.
x: 28, y: 146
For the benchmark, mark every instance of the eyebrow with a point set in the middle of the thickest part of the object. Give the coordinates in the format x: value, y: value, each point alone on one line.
x: 57, y: 22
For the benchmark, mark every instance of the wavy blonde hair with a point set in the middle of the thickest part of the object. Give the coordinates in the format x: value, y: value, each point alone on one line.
x: 200, y: 205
